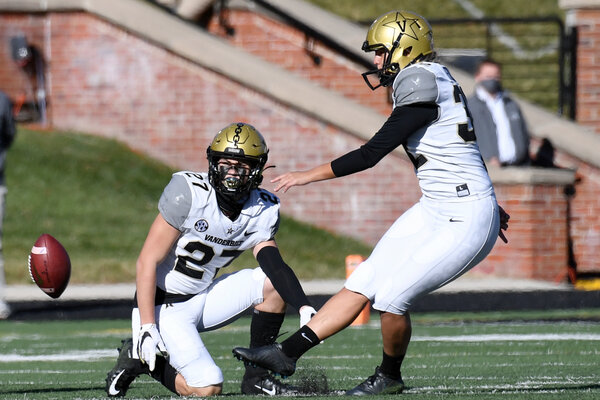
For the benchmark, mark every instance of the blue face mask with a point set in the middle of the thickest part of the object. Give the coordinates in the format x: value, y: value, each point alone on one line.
x: 492, y: 86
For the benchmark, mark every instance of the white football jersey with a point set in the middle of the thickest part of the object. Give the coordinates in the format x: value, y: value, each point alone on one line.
x: 445, y: 154
x: 209, y: 240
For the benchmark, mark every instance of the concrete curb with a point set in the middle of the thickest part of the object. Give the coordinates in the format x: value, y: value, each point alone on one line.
x: 125, y: 291
x: 464, y: 295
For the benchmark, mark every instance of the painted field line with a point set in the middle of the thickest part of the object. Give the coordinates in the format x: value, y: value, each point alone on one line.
x: 85, y: 355
x: 94, y: 355
x: 510, y: 337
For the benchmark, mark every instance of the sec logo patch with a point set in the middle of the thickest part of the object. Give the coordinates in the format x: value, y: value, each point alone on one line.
x: 201, y: 225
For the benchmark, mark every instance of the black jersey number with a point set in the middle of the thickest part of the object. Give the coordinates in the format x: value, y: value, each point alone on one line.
x: 202, y: 184
x: 268, y: 197
x: 465, y: 130
x: 181, y: 263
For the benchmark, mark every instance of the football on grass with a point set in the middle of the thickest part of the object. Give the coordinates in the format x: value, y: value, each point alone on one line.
x: 49, y: 265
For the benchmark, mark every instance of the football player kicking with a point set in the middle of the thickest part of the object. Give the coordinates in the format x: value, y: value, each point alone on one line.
x: 452, y: 228
x: 205, y: 221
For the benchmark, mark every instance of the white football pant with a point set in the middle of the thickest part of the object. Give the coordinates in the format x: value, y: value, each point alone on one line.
x: 179, y: 323
x: 430, y: 245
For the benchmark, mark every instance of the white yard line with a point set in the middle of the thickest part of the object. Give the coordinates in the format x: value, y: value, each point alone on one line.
x: 85, y: 355
x: 509, y: 337
x: 95, y: 355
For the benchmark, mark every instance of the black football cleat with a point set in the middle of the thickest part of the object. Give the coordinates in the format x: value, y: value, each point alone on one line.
x: 267, y: 385
x: 378, y: 383
x: 270, y: 357
x: 125, y: 371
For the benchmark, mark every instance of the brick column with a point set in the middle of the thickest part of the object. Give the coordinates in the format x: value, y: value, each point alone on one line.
x: 585, y: 16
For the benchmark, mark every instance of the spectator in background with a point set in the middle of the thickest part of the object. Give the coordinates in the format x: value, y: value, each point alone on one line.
x: 500, y: 126
x: 7, y: 134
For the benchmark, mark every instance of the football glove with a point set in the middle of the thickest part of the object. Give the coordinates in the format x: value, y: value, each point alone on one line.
x: 306, y: 313
x: 149, y: 344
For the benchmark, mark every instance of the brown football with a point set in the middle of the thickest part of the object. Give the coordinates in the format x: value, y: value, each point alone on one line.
x: 49, y: 265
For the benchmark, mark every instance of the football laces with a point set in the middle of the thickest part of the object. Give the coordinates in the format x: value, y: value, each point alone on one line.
x: 29, y: 267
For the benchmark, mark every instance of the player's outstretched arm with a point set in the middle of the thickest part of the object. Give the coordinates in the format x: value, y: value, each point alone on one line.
x: 299, y: 178
x: 282, y: 277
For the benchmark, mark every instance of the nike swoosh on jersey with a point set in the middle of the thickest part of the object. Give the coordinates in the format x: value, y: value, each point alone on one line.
x: 112, y: 390
x: 456, y: 220
x: 249, y: 233
x: 267, y: 391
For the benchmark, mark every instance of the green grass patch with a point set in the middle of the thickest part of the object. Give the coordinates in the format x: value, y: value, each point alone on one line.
x: 94, y: 195
x: 360, y: 10
x: 98, y: 198
x: 532, y: 77
x: 531, y: 355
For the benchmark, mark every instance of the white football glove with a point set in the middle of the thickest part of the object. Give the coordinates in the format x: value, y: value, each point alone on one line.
x: 306, y: 313
x: 150, y: 344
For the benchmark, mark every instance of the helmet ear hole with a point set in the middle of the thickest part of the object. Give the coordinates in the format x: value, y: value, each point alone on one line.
x: 407, y: 51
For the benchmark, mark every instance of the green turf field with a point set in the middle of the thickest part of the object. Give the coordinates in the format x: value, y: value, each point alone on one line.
x: 452, y: 356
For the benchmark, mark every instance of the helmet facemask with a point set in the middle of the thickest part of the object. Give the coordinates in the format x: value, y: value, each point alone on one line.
x: 234, y: 177
x: 383, y: 76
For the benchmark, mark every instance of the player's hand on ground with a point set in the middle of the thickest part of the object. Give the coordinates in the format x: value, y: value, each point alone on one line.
x: 289, y: 179
x: 149, y: 344
x: 504, y: 217
x: 306, y: 313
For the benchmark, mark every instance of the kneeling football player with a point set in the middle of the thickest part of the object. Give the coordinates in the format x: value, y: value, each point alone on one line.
x: 205, y: 221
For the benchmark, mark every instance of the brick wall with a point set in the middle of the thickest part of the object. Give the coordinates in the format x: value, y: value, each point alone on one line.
x: 537, y: 247
x: 109, y: 82
x: 278, y: 43
x: 586, y: 219
x: 588, y: 67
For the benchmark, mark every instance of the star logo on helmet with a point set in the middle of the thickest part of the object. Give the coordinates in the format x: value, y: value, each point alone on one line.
x: 406, y: 25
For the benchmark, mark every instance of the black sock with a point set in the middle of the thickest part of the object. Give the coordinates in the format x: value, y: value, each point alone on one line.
x: 300, y: 342
x: 164, y: 373
x: 264, y: 329
x: 391, y: 365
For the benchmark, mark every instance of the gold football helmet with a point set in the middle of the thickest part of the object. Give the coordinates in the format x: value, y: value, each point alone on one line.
x: 404, y: 37
x: 241, y: 142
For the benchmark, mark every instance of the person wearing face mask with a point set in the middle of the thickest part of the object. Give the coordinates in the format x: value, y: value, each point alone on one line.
x: 499, y: 124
